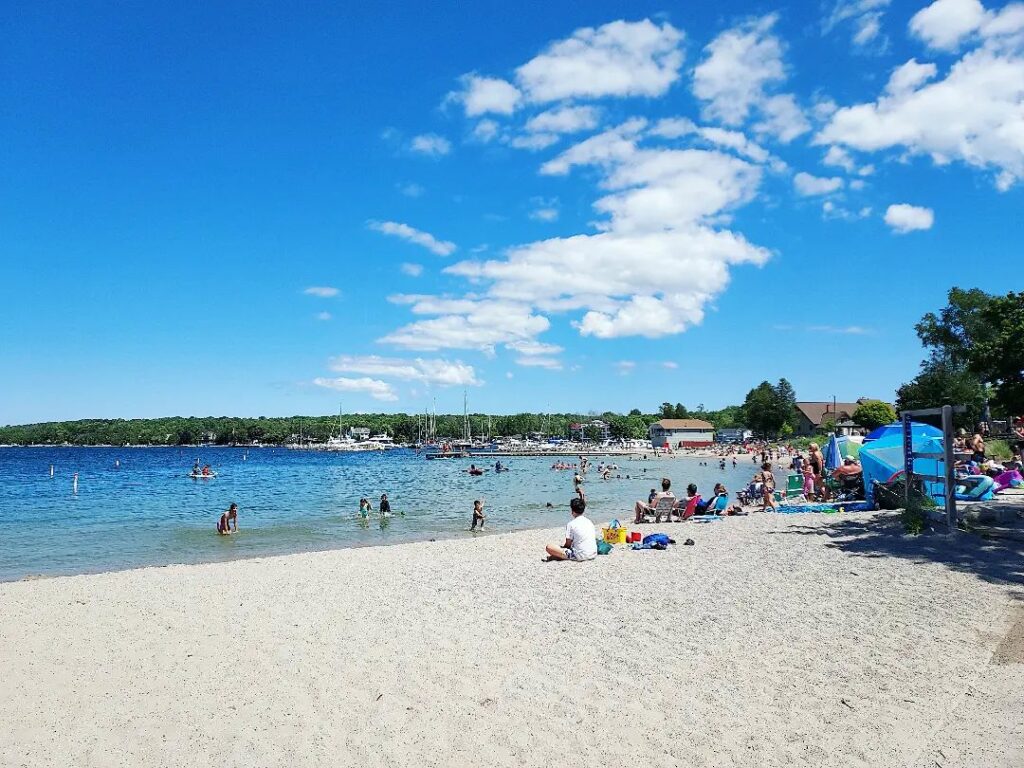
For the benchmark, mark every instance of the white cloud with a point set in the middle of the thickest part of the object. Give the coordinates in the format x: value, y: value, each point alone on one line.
x: 323, y: 316
x: 908, y: 77
x: 544, y: 210
x: 534, y: 348
x: 480, y: 95
x: 564, y: 120
x: 486, y: 131
x: 435, y: 371
x: 605, y: 149
x: 536, y: 354
x: 552, y: 364
x: 864, y: 15
x: 944, y: 23
x: 625, y: 367
x: 782, y: 118
x: 321, y: 291
x: 534, y: 141
x: 905, y: 218
x: 737, y: 67
x: 849, y: 330
x: 808, y: 185
x: 404, y: 231
x: 657, y: 257
x: 410, y: 189
x: 670, y: 365
x: 617, y: 59
x: 839, y: 157
x: 430, y: 144
x: 975, y: 114
x: 412, y: 270
x: 378, y: 390
x: 829, y: 210
x: 469, y: 324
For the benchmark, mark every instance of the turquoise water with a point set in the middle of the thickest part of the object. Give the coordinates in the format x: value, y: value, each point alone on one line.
x: 149, y: 512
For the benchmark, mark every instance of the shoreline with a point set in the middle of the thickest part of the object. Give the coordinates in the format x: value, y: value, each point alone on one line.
x: 760, y: 645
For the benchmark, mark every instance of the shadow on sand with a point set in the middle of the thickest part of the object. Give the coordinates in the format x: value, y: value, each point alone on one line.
x: 997, y: 561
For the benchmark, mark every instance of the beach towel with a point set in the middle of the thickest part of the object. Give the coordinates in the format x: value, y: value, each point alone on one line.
x: 800, y: 509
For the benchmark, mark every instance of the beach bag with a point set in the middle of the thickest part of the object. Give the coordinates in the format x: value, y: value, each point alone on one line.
x: 614, y: 533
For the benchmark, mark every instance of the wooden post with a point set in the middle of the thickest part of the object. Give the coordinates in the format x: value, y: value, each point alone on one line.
x: 950, y: 484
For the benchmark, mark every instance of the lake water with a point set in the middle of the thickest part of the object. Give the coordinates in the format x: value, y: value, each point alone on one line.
x: 149, y: 512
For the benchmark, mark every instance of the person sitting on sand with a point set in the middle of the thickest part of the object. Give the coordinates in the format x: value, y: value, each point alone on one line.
x: 385, y: 506
x: 478, y: 515
x: 227, y: 520
x: 651, y: 507
x: 580, y: 537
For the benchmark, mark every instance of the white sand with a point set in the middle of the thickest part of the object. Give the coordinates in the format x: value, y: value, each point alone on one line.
x: 763, y: 645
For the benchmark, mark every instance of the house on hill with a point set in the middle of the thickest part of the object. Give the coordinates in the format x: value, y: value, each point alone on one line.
x: 681, y: 433
x: 812, y: 414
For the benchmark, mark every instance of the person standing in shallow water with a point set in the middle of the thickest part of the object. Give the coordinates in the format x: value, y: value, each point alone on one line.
x: 227, y: 520
x: 478, y: 515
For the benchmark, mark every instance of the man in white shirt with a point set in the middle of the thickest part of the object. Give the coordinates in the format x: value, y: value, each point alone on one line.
x: 580, y: 536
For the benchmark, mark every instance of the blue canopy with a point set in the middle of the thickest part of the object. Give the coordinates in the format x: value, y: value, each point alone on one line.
x: 883, y: 458
x: 916, y: 428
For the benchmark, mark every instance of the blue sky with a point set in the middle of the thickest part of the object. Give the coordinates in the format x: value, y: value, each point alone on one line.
x: 267, y: 209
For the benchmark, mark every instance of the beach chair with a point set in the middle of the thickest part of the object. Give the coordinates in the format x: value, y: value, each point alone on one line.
x: 794, y: 485
x: 663, y: 509
x: 721, y: 504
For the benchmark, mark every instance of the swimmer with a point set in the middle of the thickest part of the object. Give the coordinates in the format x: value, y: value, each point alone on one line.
x: 229, y: 518
x: 385, y: 506
x: 364, y: 508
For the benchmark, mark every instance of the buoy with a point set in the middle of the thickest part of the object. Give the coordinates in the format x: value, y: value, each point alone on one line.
x: 74, y: 483
x: 51, y: 470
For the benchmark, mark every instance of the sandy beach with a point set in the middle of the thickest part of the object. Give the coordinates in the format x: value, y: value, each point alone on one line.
x: 774, y: 641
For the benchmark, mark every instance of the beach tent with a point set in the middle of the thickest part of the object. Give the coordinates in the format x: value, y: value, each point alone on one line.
x: 833, y: 454
x: 883, y: 458
x: 916, y: 428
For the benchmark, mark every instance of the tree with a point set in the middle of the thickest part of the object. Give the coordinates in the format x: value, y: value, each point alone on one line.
x: 760, y: 410
x: 769, y: 409
x: 680, y: 411
x: 944, y: 383
x: 997, y: 355
x: 950, y: 335
x: 972, y: 342
x: 874, y: 413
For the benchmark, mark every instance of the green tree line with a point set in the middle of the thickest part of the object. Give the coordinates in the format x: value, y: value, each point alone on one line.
x: 403, y: 427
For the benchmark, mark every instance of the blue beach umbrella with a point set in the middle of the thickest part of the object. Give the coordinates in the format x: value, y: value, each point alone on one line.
x: 833, y: 454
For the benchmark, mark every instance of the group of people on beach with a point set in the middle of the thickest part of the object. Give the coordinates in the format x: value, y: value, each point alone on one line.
x: 683, y: 508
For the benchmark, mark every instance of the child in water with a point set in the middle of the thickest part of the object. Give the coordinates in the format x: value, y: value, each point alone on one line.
x: 385, y: 506
x: 228, y: 519
x: 478, y: 515
x: 364, y: 508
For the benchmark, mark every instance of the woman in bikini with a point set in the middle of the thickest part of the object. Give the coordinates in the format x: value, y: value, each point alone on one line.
x: 767, y: 487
